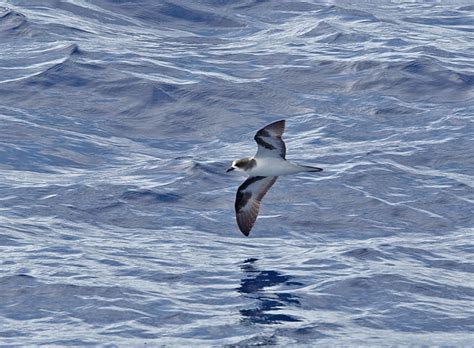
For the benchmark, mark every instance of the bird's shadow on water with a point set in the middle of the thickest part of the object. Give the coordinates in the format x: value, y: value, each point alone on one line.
x: 253, y: 285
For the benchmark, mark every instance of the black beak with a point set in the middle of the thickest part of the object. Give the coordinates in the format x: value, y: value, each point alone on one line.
x: 229, y: 170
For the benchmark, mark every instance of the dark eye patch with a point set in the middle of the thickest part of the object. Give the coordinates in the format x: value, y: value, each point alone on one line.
x: 245, y: 163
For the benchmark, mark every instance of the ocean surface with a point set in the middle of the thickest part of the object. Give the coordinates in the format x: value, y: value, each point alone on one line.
x: 119, y: 118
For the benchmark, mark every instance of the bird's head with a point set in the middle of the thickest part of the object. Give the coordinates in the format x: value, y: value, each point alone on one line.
x: 239, y: 165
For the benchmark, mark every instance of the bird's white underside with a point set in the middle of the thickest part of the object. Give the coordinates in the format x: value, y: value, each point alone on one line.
x: 273, y: 166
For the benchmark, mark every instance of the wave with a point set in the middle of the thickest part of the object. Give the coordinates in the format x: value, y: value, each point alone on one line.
x: 13, y: 24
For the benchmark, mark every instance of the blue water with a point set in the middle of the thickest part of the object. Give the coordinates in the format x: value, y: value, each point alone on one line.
x: 119, y: 118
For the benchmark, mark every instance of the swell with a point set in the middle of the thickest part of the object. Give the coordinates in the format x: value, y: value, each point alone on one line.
x: 12, y: 23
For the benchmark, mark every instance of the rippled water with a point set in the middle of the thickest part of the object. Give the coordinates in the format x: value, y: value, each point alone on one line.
x: 119, y: 118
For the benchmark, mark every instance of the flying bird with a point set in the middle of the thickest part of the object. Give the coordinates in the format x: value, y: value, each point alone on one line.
x: 262, y: 171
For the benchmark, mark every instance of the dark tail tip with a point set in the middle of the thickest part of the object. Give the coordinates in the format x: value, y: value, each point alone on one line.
x: 314, y: 169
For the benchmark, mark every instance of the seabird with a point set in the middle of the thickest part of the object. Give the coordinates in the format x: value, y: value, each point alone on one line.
x: 262, y: 171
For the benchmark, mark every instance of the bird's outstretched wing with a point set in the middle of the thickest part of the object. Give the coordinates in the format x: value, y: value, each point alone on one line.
x: 269, y: 140
x: 247, y: 200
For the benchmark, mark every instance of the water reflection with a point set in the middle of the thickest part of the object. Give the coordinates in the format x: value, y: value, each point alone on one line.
x: 254, y: 283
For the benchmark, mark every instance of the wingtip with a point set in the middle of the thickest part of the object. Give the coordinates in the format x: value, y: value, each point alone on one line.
x: 244, y: 226
x: 280, y: 123
x: 278, y: 127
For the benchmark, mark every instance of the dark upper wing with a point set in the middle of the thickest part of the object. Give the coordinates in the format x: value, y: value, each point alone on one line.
x: 247, y: 200
x: 269, y: 140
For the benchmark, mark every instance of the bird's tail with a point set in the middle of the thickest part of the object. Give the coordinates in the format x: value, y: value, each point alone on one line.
x: 311, y: 169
